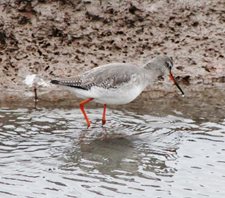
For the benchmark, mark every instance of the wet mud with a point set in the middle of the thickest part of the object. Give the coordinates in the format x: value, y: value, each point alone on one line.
x: 61, y: 38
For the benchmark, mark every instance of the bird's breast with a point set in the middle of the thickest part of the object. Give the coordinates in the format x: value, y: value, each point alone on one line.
x: 118, y: 96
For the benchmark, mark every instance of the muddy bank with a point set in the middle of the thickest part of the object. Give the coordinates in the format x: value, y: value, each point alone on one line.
x: 61, y: 38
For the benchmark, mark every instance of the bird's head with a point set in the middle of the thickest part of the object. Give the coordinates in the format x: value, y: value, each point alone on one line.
x: 164, y: 64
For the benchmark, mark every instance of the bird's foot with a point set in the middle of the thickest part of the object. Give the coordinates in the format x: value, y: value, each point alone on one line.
x: 88, y: 124
x: 103, y: 122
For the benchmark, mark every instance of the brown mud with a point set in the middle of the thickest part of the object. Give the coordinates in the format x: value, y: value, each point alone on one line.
x: 60, y: 38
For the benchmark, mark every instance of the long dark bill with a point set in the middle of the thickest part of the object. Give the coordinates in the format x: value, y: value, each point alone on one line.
x: 175, y: 82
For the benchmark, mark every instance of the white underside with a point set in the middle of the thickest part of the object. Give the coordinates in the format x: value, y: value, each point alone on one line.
x: 121, y: 95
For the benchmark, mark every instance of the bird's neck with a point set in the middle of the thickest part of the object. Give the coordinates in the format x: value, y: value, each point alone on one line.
x: 152, y: 72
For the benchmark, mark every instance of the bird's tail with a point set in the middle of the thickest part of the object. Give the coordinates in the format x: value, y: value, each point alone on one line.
x: 55, y: 82
x: 74, y: 84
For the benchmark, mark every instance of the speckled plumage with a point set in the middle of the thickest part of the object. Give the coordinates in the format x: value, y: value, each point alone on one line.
x: 117, y: 83
x: 106, y: 76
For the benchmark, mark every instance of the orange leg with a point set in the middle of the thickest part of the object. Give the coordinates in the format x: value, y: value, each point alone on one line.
x: 83, y: 111
x: 103, y: 115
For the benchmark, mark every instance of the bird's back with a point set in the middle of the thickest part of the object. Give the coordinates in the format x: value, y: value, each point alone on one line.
x: 106, y: 76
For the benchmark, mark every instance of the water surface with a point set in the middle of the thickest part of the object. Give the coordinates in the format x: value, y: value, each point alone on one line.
x: 153, y: 150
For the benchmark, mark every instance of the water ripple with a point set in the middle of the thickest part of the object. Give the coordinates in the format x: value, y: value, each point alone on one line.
x: 49, y: 152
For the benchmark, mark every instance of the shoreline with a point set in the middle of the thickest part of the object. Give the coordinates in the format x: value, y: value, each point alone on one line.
x: 64, y: 98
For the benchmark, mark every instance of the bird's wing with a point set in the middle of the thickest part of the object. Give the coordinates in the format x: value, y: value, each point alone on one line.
x: 75, y: 83
x: 106, y: 76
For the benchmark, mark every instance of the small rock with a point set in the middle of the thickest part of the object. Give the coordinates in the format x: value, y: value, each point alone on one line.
x: 133, y: 8
x: 23, y: 20
x: 186, y: 80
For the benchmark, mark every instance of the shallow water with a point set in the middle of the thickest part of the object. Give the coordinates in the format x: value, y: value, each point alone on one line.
x: 144, y: 151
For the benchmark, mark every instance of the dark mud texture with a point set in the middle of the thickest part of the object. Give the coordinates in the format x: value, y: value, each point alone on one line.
x: 60, y: 38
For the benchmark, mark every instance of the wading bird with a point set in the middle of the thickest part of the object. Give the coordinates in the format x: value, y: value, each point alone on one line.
x: 117, y: 83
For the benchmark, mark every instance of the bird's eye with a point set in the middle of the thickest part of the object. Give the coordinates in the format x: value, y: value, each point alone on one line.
x: 169, y: 65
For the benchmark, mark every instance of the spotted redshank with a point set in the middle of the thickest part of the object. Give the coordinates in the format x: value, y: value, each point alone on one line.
x: 117, y: 83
